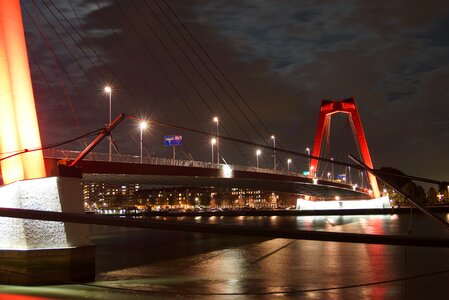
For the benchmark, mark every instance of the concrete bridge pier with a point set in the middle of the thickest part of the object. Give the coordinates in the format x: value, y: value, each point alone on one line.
x: 36, y: 252
x: 33, y: 252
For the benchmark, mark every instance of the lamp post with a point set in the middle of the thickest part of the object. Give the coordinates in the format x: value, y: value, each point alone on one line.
x: 142, y: 125
x: 349, y: 175
x: 213, y: 141
x: 108, y: 90
x: 308, y: 153
x: 218, y: 141
x: 332, y: 159
x: 289, y: 161
x: 361, y: 178
x: 258, y: 152
x: 274, y: 151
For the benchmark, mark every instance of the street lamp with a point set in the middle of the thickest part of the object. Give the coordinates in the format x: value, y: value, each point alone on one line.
x: 218, y: 141
x: 258, y: 152
x: 312, y: 172
x: 108, y: 90
x: 349, y: 175
x: 361, y: 176
x: 308, y: 153
x: 332, y: 159
x: 213, y: 141
x: 143, y: 125
x: 289, y: 161
x: 274, y: 151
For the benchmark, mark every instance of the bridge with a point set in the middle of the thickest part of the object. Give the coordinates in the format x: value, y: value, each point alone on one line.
x: 127, y: 169
x: 37, y: 178
x: 21, y: 151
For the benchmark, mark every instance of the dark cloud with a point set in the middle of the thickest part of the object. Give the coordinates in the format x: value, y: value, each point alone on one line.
x: 282, y: 56
x: 391, y: 56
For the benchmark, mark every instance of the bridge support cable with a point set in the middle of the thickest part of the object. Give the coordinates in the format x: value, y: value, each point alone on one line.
x: 49, y: 146
x: 220, y: 100
x: 295, y: 153
x: 398, y: 190
x: 183, y: 71
x: 86, y: 41
x: 212, y: 61
x: 57, y: 62
x: 92, y: 49
x: 58, y: 66
x: 224, y: 229
x: 290, y: 152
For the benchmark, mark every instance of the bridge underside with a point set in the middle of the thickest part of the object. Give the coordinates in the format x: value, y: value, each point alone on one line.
x: 125, y: 173
x: 319, y: 191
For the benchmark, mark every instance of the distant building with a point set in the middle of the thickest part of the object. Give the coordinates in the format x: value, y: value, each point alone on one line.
x: 234, y: 198
x: 102, y: 195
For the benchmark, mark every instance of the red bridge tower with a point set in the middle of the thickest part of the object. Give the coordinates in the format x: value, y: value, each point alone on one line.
x: 348, y: 107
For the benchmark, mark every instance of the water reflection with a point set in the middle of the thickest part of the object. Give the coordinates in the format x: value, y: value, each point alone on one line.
x: 371, y: 224
x: 167, y: 264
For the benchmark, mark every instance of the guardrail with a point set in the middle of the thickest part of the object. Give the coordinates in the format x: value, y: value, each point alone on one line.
x: 94, y: 156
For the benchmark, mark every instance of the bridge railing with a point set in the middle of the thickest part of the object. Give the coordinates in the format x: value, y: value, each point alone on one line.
x: 93, y: 156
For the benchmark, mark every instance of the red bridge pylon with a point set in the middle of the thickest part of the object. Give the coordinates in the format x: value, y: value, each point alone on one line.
x: 348, y: 107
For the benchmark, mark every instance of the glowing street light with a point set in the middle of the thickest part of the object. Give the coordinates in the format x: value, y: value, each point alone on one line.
x: 349, y: 175
x: 215, y: 119
x: 108, y: 90
x: 143, y: 125
x: 332, y: 159
x: 274, y: 151
x: 308, y: 153
x: 312, y: 171
x: 213, y: 141
x: 289, y: 161
x: 258, y: 152
x: 361, y: 178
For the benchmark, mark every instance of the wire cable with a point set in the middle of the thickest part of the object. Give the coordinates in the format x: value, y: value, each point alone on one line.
x: 18, y: 152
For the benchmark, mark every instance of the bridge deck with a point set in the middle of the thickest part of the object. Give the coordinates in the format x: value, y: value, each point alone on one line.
x: 124, y: 173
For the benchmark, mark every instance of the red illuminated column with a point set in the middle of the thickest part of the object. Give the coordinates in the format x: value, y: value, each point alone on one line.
x: 325, y: 110
x: 364, y: 149
x: 348, y: 107
x: 12, y: 168
x: 19, y: 127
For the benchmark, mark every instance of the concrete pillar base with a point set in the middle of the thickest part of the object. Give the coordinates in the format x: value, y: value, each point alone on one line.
x: 47, y: 266
x: 34, y: 252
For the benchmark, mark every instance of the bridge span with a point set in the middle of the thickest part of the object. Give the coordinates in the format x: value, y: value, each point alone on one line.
x: 125, y: 169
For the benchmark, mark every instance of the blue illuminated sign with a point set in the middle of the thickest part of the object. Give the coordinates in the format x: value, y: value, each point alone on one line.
x: 172, y: 140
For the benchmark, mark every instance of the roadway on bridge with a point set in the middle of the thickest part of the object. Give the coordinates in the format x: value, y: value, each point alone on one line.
x: 125, y: 173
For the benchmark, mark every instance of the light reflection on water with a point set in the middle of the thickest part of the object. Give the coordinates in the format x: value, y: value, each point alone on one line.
x: 194, y: 265
x: 370, y: 224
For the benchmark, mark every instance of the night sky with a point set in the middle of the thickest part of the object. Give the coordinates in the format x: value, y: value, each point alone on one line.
x: 280, y: 58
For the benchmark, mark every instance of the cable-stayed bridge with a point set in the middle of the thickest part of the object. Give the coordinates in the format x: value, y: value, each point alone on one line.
x: 125, y: 169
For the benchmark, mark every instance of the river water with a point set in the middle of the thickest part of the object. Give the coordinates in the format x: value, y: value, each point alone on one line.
x: 153, y: 264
